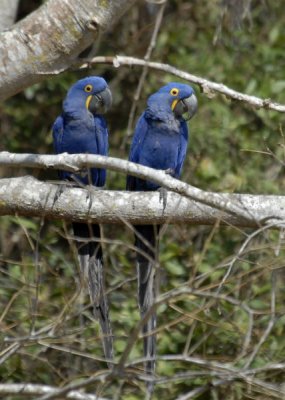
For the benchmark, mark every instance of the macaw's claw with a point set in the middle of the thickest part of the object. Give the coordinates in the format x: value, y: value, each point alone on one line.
x: 170, y: 171
x: 60, y: 189
x: 163, y: 196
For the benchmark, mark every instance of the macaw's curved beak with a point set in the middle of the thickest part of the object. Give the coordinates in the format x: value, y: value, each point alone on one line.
x: 101, y: 102
x: 188, y: 105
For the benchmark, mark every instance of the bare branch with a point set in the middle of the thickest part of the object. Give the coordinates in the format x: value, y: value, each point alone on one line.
x: 75, y: 162
x: 206, y: 86
x: 270, y: 323
x: 165, y: 299
x: 50, y: 39
x: 66, y: 390
x: 31, y: 389
x: 8, y: 352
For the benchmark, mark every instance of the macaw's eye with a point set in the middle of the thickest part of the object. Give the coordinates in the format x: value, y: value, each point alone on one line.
x: 88, y: 88
x: 174, y: 92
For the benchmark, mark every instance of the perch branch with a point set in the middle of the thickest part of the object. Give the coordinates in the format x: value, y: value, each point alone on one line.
x: 27, y: 196
x: 31, y: 389
x: 75, y: 162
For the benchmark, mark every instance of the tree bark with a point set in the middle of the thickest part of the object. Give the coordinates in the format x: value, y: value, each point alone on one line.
x: 49, y: 39
x: 27, y: 196
x: 8, y: 13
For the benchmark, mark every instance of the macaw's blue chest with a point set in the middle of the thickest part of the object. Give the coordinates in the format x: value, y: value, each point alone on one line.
x: 80, y: 136
x: 161, y: 145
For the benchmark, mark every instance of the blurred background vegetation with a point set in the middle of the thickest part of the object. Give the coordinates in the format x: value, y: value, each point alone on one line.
x: 233, y: 148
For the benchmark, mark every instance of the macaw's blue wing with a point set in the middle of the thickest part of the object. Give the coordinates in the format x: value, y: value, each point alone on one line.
x: 57, y: 134
x: 102, y: 145
x: 138, y: 139
x: 182, y: 149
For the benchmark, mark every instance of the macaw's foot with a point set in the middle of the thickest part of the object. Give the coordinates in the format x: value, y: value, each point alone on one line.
x: 170, y: 171
x: 90, y: 190
x: 60, y: 189
x: 163, y: 196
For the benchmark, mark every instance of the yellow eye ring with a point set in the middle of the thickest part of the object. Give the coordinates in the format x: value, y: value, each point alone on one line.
x: 88, y: 88
x: 174, y: 92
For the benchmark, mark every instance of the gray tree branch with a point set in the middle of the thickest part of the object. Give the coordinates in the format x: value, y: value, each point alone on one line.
x: 27, y: 196
x: 77, y: 162
x: 206, y: 86
x: 30, y: 389
x: 51, y: 38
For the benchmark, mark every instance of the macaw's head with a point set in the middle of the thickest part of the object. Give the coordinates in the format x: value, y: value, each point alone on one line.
x: 91, y: 93
x: 180, y: 98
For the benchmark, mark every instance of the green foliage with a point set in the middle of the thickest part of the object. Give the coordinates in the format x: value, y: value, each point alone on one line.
x: 232, y: 148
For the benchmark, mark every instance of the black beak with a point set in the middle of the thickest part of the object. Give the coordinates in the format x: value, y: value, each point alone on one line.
x: 101, y: 102
x: 188, y: 105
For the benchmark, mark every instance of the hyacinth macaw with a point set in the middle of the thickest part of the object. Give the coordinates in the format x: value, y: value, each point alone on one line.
x: 82, y: 129
x: 160, y: 142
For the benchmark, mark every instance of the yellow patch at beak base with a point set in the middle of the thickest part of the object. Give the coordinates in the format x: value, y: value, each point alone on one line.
x: 173, y: 105
x: 88, y: 100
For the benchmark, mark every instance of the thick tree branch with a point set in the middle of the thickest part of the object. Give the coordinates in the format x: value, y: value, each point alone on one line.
x: 75, y: 162
x: 51, y: 38
x: 29, y: 197
x: 205, y: 85
x: 8, y: 13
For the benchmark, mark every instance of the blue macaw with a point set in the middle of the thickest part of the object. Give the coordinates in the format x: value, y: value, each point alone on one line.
x: 82, y: 129
x: 160, y: 142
